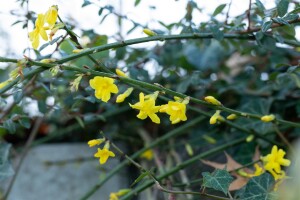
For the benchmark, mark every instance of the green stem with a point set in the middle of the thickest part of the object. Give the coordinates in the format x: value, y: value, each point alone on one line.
x: 174, y: 133
x: 183, y: 165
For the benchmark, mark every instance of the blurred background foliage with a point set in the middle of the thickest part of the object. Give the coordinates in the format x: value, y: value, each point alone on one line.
x: 259, y: 75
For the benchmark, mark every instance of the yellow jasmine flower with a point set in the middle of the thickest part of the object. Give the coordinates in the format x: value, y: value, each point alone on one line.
x: 120, y: 73
x: 149, y: 32
x: 103, y: 86
x: 274, y: 161
x: 113, y: 196
x: 147, y: 154
x: 216, y: 117
x: 231, y: 117
x: 212, y: 100
x: 39, y: 30
x: 51, y: 16
x: 122, y: 97
x: 176, y: 110
x: 267, y: 118
x: 147, y: 107
x: 95, y: 142
x: 104, y: 154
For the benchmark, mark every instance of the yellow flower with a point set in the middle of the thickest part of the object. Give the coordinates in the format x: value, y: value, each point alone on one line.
x: 120, y: 73
x: 147, y: 107
x: 258, y: 171
x: 113, y: 196
x: 103, y: 86
x: 216, y: 117
x: 104, y: 154
x: 95, y: 142
x: 149, y: 32
x: 39, y: 30
x: 176, y: 110
x: 122, y: 97
x: 274, y: 161
x: 231, y: 117
x: 51, y: 16
x: 267, y: 118
x: 212, y: 100
x: 147, y: 154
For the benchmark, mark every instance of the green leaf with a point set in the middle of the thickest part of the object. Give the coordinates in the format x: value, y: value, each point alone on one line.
x: 144, y: 174
x: 266, y: 25
x: 258, y: 188
x: 260, y: 6
x: 25, y: 122
x: 80, y: 122
x: 100, y: 11
x: 291, y: 17
x: 137, y: 2
x: 296, y: 79
x: 219, y: 180
x: 10, y: 126
x: 85, y: 3
x: 42, y: 106
x: 217, y: 33
x: 280, y: 21
x: 6, y: 169
x: 219, y: 9
x: 282, y: 7
x: 18, y: 96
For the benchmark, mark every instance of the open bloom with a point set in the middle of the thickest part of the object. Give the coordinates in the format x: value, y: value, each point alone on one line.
x: 104, y: 154
x: 51, y: 16
x: 39, y: 30
x: 147, y: 107
x: 147, y: 154
x: 122, y: 97
x: 103, y: 86
x: 176, y: 110
x: 274, y: 161
x: 212, y: 100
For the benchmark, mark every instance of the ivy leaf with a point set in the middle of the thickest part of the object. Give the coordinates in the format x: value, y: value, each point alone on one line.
x: 282, y: 7
x: 137, y: 2
x: 6, y: 169
x: 219, y: 9
x: 219, y: 180
x: 258, y: 188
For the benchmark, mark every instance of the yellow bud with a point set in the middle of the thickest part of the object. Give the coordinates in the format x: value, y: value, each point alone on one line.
x: 149, y: 32
x: 209, y: 139
x: 95, y: 142
x: 122, y: 192
x: 215, y: 117
x: 212, y: 100
x: 189, y: 149
x: 231, y: 117
x: 250, y: 138
x: 122, y: 97
x: 120, y: 73
x: 267, y: 118
x: 3, y: 84
x: 50, y: 60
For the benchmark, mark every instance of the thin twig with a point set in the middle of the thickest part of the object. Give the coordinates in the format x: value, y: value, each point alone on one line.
x: 24, y: 153
x: 284, y: 139
x: 249, y: 16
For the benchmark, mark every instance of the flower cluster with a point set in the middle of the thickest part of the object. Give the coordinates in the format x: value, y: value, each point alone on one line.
x: 102, y: 154
x: 43, y: 23
x: 104, y: 87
